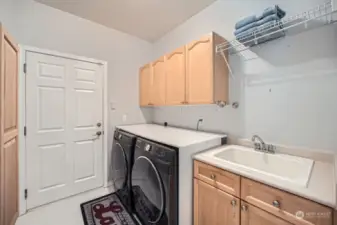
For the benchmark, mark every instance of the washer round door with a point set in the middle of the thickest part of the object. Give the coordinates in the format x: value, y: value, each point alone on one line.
x: 119, y: 164
x: 148, y: 191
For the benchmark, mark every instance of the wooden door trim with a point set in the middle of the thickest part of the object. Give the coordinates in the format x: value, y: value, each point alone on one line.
x: 22, y: 115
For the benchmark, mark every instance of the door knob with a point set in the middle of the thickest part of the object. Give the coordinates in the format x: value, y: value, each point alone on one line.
x: 97, y: 135
x: 99, y: 124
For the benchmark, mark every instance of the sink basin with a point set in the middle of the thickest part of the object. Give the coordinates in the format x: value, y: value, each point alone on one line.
x: 288, y: 168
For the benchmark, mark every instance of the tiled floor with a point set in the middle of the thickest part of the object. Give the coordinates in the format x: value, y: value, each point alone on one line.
x: 63, y: 212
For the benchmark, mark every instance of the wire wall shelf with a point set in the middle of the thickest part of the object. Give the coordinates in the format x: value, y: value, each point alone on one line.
x: 323, y: 13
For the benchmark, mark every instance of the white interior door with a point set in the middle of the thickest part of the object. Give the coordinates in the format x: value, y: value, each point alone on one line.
x: 64, y: 112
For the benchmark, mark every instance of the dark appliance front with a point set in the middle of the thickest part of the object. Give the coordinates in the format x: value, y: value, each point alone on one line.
x: 121, y: 162
x: 154, y: 181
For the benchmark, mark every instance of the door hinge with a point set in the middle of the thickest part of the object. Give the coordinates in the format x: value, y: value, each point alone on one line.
x: 25, y: 131
x: 25, y: 68
x: 26, y: 193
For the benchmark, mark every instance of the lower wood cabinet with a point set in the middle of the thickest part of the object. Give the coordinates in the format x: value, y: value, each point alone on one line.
x: 224, y: 198
x: 285, y: 205
x: 251, y: 215
x: 213, y: 206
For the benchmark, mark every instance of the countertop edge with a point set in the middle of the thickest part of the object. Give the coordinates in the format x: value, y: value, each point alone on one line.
x: 331, y: 204
x: 214, y: 136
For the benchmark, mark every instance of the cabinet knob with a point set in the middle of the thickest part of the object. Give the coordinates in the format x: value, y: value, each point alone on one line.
x: 213, y: 176
x: 244, y: 208
x: 276, y: 204
x: 233, y: 202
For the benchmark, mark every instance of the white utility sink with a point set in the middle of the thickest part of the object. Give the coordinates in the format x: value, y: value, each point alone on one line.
x: 288, y: 168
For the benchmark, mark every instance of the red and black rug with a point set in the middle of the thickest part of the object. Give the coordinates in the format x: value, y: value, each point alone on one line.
x: 106, y: 210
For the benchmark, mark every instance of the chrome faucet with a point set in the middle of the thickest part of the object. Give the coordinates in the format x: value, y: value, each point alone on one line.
x: 263, y: 147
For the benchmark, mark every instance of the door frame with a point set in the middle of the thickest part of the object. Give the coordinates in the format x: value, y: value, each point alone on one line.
x: 22, y: 116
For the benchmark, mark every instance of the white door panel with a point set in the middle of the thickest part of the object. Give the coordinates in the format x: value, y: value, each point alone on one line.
x: 63, y: 106
x: 87, y: 100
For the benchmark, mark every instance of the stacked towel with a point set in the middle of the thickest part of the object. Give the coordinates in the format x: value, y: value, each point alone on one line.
x: 260, y: 25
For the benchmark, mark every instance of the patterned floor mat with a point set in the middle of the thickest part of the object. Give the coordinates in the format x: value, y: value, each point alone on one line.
x: 106, y: 210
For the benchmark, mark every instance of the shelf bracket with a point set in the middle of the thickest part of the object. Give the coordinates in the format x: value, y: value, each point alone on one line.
x: 228, y: 66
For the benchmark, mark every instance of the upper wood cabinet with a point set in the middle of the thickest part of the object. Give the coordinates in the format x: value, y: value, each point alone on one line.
x: 213, y: 206
x: 193, y: 74
x: 145, y: 85
x: 176, y: 77
x: 206, y: 72
x: 159, y: 82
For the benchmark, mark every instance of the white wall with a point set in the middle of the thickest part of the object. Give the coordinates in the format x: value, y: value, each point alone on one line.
x: 287, y: 89
x: 38, y: 25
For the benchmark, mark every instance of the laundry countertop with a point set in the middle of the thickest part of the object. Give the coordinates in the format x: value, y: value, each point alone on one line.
x: 172, y: 136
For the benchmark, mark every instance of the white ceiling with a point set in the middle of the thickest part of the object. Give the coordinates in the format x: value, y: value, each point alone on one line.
x: 146, y: 19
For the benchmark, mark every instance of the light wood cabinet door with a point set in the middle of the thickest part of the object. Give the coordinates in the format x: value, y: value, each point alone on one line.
x: 213, y: 206
x: 145, y: 85
x: 251, y: 215
x: 159, y: 82
x: 175, y: 77
x: 8, y: 129
x: 199, y: 68
x: 297, y: 210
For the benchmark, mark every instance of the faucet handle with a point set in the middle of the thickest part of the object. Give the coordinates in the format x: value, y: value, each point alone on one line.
x: 271, y: 148
x: 257, y: 146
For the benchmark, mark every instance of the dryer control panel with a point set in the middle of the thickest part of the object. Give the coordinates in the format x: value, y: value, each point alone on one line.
x: 156, y: 150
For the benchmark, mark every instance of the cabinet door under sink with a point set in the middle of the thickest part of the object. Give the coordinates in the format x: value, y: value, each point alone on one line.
x: 213, y: 206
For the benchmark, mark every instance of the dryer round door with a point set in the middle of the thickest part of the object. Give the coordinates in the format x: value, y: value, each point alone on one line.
x: 148, y: 191
x: 119, y: 164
